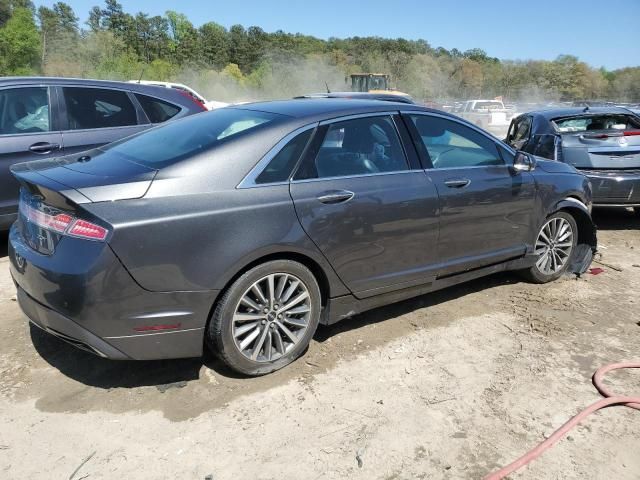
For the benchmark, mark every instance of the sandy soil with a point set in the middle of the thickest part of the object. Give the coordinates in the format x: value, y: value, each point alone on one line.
x: 449, y: 385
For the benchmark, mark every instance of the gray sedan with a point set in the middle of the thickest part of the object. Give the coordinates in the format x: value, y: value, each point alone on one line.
x: 246, y: 227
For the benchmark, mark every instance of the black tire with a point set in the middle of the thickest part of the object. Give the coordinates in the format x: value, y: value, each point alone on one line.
x: 636, y: 210
x: 534, y: 274
x: 220, y: 335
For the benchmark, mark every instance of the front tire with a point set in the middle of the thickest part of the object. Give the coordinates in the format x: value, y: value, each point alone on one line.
x: 266, y: 318
x: 554, y: 247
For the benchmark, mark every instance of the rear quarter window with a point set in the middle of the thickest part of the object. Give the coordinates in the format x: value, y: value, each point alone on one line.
x: 157, y: 110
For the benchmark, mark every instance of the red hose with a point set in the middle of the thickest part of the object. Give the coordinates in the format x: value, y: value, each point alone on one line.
x: 609, y: 400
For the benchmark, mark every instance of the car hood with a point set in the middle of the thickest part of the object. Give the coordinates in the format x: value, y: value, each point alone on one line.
x: 97, y: 178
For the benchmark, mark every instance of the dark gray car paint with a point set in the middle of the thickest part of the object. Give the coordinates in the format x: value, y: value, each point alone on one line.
x: 384, y: 238
x: 15, y: 148
x: 172, y: 251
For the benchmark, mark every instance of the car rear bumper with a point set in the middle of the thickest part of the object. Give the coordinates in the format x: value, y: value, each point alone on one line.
x: 615, y: 187
x: 83, y: 295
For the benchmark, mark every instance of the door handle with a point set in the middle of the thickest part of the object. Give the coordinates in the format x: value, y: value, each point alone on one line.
x: 336, y: 196
x: 458, y: 183
x: 44, y: 147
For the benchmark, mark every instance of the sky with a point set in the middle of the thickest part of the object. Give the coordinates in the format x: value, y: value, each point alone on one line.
x: 601, y: 33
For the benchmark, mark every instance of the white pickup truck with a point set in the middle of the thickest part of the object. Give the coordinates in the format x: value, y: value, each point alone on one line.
x: 490, y: 115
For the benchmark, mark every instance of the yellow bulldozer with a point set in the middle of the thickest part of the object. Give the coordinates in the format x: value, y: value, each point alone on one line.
x: 373, y: 83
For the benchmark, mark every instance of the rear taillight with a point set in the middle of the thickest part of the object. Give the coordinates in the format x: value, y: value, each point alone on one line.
x: 84, y: 229
x: 193, y: 99
x: 603, y: 136
x: 63, y: 223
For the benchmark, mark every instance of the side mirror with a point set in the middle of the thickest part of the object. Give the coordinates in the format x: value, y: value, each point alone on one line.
x: 523, y: 162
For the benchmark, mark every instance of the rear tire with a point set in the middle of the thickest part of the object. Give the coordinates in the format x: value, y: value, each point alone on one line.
x: 554, y: 245
x: 636, y: 210
x: 266, y: 318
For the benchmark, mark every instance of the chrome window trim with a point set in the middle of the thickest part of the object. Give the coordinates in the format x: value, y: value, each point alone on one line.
x: 464, y: 123
x: 249, y: 181
x: 474, y: 167
x: 359, y: 115
x: 362, y: 175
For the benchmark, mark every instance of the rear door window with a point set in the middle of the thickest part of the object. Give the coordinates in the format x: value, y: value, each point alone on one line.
x: 451, y: 144
x: 24, y: 110
x: 157, y: 110
x: 90, y: 108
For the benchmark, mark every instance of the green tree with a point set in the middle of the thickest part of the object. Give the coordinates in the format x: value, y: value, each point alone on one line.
x: 214, y: 45
x: 19, y: 44
x: 183, y: 38
x: 95, y: 21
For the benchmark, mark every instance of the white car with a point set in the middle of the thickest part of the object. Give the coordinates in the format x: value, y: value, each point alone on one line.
x: 488, y: 114
x: 208, y: 104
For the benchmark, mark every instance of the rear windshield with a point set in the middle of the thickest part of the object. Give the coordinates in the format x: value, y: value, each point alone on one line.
x: 596, y: 122
x: 181, y: 139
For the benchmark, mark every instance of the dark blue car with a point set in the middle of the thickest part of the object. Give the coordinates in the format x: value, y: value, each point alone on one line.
x: 603, y: 143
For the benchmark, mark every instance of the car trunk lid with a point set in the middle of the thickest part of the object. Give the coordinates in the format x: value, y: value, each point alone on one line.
x: 53, y: 192
x: 602, y: 150
x: 95, y: 177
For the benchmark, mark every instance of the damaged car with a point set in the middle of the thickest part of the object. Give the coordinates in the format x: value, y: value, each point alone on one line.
x: 243, y: 228
x: 603, y: 143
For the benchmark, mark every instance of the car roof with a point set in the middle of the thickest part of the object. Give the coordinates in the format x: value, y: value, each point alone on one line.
x: 388, y: 97
x: 318, y: 109
x: 168, y: 94
x: 141, y: 87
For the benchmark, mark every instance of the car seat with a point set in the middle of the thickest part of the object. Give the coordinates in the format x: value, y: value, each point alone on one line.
x: 352, y: 158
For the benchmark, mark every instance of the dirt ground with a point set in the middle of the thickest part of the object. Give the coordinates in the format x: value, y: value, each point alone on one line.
x: 446, y: 386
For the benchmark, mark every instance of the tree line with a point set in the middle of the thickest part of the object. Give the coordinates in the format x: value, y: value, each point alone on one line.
x: 249, y: 63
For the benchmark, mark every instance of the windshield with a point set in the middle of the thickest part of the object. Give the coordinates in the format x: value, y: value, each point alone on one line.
x: 175, y: 141
x: 596, y: 122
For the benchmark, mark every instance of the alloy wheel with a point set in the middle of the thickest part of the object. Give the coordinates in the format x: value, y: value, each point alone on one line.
x: 271, y: 317
x: 554, y: 245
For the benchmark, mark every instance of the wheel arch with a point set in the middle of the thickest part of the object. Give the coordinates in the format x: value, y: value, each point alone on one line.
x: 329, y: 283
x: 316, y: 269
x: 580, y: 212
x: 587, y: 233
